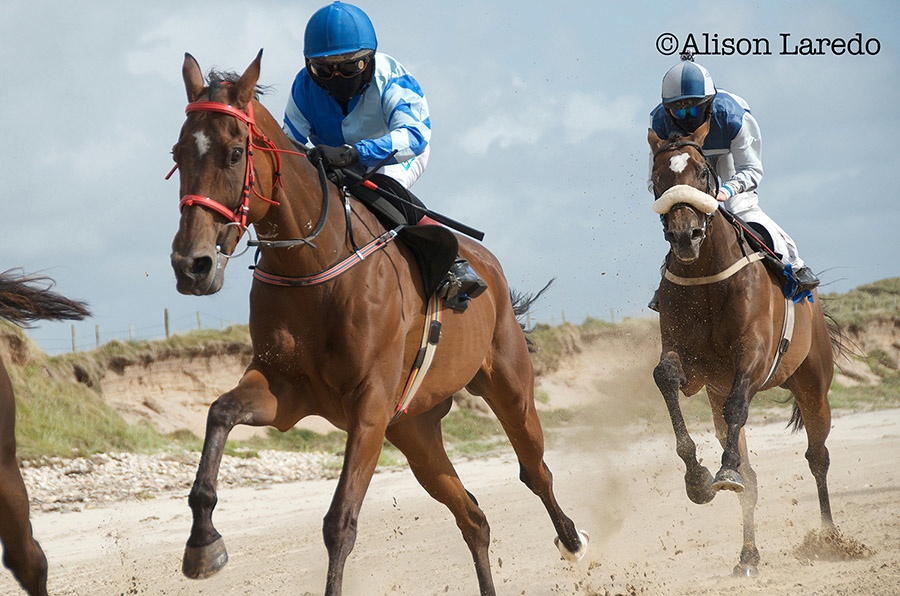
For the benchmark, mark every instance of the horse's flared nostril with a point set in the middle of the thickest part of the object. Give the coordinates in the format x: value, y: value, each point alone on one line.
x: 200, y: 267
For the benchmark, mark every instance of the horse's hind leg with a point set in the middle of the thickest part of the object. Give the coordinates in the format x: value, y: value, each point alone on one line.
x: 509, y: 391
x: 22, y: 554
x: 669, y: 377
x: 813, y: 410
x: 248, y: 403
x: 419, y: 438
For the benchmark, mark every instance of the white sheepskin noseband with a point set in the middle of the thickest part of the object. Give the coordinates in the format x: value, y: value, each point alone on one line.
x: 682, y: 193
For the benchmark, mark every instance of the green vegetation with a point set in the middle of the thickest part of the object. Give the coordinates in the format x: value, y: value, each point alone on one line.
x: 61, y: 411
x: 879, y: 301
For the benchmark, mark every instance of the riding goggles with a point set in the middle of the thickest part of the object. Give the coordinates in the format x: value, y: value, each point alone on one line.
x: 346, y: 69
x: 682, y: 113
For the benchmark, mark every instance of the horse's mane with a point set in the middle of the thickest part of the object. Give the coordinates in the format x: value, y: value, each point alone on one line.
x: 218, y: 78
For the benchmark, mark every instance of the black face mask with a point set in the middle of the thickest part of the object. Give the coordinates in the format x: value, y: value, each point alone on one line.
x: 689, y: 125
x: 343, y: 89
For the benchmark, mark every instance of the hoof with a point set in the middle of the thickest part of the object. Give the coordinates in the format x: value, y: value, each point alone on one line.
x: 745, y: 570
x: 699, y: 489
x: 728, y: 480
x: 577, y: 555
x: 201, y: 562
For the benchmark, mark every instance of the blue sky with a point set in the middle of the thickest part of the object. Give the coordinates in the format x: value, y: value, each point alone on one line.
x: 539, y: 112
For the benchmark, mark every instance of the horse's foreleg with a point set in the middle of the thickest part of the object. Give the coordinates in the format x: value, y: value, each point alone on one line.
x: 205, y: 552
x: 419, y: 439
x: 669, y: 378
x: 734, y: 412
x: 748, y: 563
x: 365, y: 438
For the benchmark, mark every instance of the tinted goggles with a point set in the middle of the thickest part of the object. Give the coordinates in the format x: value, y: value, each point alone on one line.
x: 682, y: 113
x: 346, y: 69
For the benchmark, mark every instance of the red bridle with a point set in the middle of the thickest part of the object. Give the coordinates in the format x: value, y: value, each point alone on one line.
x: 238, y: 215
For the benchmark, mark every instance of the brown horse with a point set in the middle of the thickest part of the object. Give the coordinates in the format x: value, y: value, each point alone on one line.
x: 341, y: 349
x: 721, y: 319
x: 23, y: 299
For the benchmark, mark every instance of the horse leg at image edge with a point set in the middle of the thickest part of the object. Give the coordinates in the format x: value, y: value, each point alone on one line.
x: 420, y: 440
x: 669, y: 377
x: 205, y: 552
x: 22, y: 553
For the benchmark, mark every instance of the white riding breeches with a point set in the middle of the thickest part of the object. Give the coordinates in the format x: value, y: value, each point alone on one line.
x: 408, y: 172
x: 745, y: 205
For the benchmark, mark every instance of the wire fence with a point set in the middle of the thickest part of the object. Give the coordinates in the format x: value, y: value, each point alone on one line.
x: 81, y: 339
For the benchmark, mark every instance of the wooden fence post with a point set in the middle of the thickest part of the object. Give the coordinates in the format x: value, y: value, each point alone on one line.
x: 167, y: 323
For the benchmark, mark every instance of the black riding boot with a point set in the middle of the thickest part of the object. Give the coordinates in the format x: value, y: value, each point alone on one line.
x: 806, y: 279
x: 461, y: 285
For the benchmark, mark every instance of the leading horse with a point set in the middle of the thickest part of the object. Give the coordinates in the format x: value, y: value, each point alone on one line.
x: 23, y: 299
x: 340, y: 349
x: 722, y: 319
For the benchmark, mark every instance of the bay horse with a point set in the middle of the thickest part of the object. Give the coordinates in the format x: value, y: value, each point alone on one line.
x: 340, y: 349
x: 722, y: 319
x: 23, y: 299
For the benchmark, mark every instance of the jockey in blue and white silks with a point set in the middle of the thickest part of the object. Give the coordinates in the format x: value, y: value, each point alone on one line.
x: 350, y: 108
x: 733, y: 147
x: 391, y: 113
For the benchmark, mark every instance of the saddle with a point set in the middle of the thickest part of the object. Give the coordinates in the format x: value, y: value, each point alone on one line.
x: 434, y: 247
x: 757, y: 238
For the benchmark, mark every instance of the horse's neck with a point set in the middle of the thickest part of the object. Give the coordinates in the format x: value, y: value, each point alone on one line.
x: 297, y: 215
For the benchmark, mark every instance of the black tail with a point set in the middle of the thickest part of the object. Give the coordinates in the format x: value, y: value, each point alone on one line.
x: 27, y: 298
x: 521, y: 302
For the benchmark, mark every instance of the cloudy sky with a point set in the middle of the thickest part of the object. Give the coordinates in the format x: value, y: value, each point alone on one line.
x: 539, y: 112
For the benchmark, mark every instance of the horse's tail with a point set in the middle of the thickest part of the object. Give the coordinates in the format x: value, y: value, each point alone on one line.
x: 521, y: 303
x: 796, y: 421
x: 27, y: 298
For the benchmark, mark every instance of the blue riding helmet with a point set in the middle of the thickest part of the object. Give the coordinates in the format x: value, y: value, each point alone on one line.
x: 687, y: 81
x: 338, y: 28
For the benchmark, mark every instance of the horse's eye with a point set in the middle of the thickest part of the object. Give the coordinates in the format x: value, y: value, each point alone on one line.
x: 236, y: 155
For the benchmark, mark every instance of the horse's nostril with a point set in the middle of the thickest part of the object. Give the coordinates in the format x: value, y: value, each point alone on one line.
x: 201, y: 266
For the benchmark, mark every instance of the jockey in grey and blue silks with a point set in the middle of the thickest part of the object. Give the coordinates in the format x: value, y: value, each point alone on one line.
x: 733, y: 147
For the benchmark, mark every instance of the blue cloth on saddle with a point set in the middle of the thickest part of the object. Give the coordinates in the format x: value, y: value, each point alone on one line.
x: 790, y: 287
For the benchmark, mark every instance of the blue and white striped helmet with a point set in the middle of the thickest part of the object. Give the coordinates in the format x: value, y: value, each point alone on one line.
x: 687, y: 80
x: 338, y: 28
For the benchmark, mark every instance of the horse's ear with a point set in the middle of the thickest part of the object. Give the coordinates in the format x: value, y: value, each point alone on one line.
x: 700, y: 134
x: 246, y: 86
x: 193, y: 78
x: 655, y: 142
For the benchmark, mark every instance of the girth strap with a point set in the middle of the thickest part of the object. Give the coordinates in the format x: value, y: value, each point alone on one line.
x: 787, y: 332
x: 430, y: 338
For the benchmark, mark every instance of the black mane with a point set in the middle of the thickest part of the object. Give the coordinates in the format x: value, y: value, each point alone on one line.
x: 218, y: 78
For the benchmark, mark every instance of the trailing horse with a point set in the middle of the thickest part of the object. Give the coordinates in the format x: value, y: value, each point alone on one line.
x: 23, y: 299
x: 335, y: 335
x: 726, y: 324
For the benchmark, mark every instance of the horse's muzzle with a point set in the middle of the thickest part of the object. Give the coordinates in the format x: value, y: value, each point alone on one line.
x: 198, y: 274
